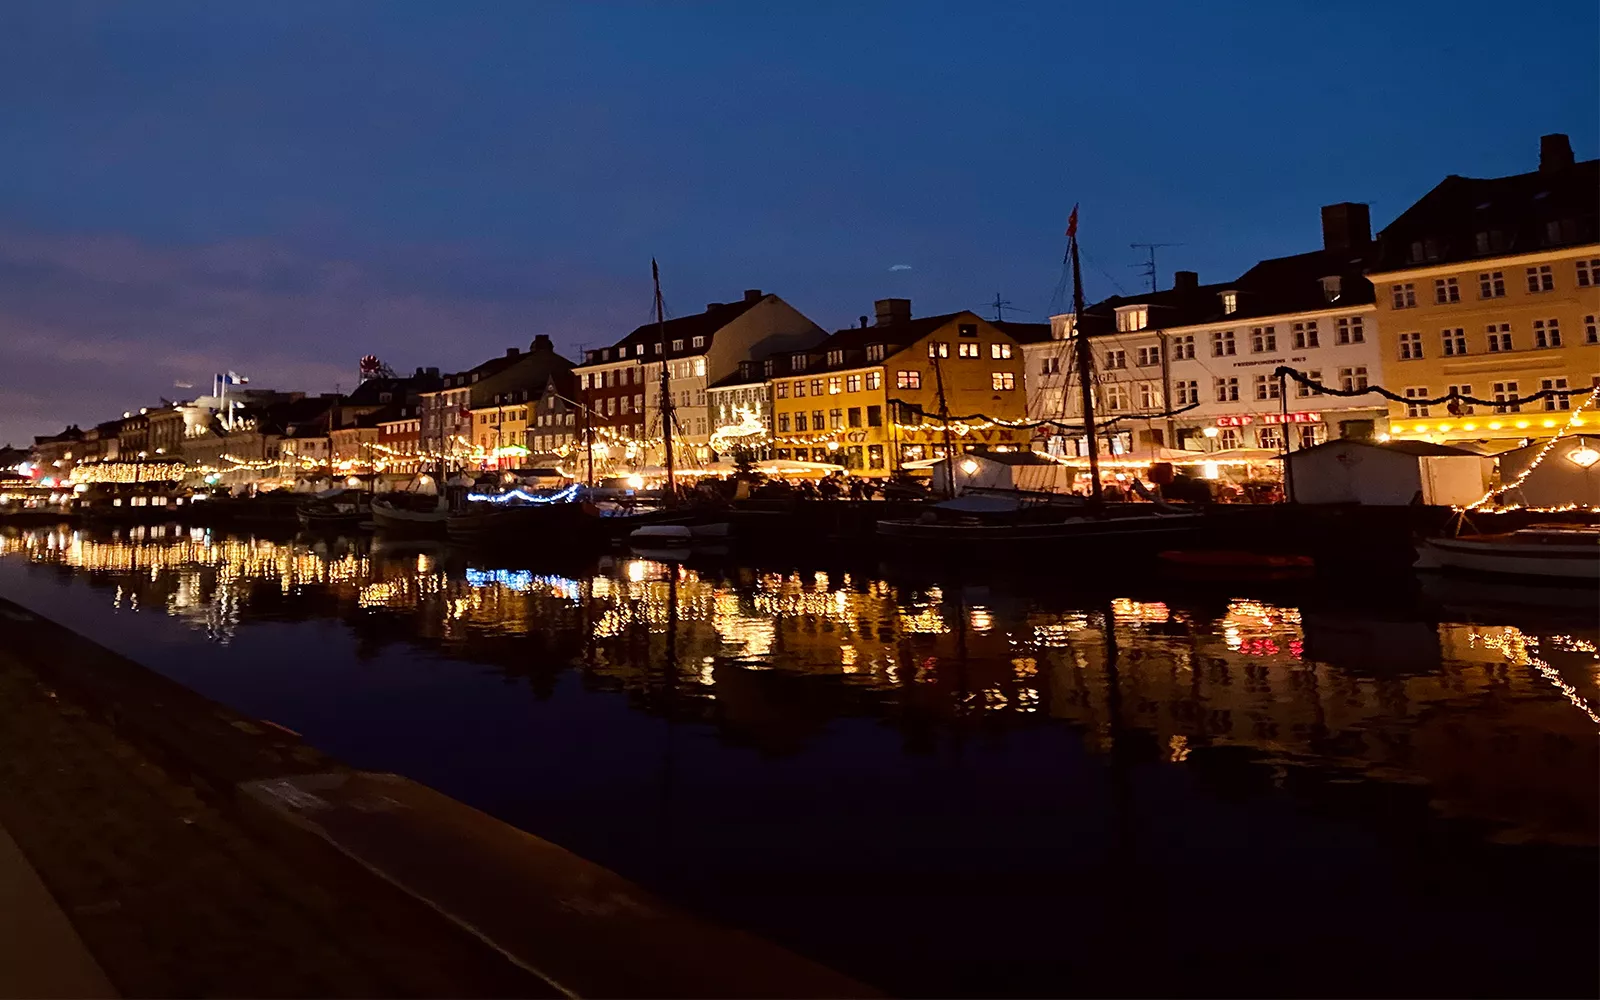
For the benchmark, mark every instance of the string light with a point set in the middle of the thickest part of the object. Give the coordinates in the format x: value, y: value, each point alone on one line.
x: 1537, y: 459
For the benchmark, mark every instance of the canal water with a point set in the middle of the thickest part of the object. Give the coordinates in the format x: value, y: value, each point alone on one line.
x: 1063, y: 781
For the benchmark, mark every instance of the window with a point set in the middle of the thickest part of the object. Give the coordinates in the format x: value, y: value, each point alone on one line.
x: 1188, y: 392
x: 816, y: 387
x: 1116, y: 397
x: 836, y: 357
x: 1588, y: 273
x: 799, y: 388
x: 1305, y: 335
x: 1230, y: 303
x: 797, y: 363
x: 967, y: 350
x: 1131, y: 318
x: 852, y: 383
x: 1499, y: 337
x: 1183, y: 347
x: 1541, y: 279
x: 800, y: 421
x: 1404, y: 296
x: 611, y: 406
x: 836, y: 418
x: 1229, y: 438
x: 677, y: 345
x: 874, y: 416
x: 1591, y: 333
x: 1560, y: 401
x: 1454, y: 342
x: 874, y: 380
x: 1445, y: 291
x: 1149, y: 357
x: 999, y: 352
x: 655, y: 348
x: 611, y: 377
x: 1350, y: 331
x: 583, y: 381
x: 1270, y: 437
x: 700, y: 367
x: 1049, y: 366
x: 1546, y: 333
x: 853, y: 416
x: 835, y: 385
x: 1002, y: 380
x: 967, y: 330
x: 874, y: 352
x: 1221, y: 343
x: 1492, y: 285
x: 627, y: 404
x: 938, y: 349
x: 874, y: 456
x: 1147, y: 396
x: 1266, y: 387
x: 1410, y: 346
x: 1504, y: 393
x: 1353, y: 379
x: 697, y: 342
x: 1303, y: 391
x: 1414, y: 409
x: 1116, y: 359
x: 908, y: 380
x: 780, y: 390
x: 1462, y: 408
x: 1312, y: 435
x: 1227, y: 389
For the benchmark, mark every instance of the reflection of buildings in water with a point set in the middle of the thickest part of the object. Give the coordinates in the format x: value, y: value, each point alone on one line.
x: 1482, y: 714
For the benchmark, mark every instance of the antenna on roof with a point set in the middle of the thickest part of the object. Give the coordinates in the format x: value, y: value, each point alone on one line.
x: 1149, y: 265
x: 1000, y: 305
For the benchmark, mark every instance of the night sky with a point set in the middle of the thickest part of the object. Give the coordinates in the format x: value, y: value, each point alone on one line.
x: 279, y: 187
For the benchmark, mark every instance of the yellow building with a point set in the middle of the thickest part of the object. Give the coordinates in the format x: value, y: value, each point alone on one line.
x: 500, y: 430
x: 869, y: 398
x: 1491, y: 288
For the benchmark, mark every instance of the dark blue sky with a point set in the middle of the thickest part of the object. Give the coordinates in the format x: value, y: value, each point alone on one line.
x: 281, y: 187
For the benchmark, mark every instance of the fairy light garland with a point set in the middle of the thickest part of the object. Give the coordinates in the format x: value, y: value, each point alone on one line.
x: 1538, y: 459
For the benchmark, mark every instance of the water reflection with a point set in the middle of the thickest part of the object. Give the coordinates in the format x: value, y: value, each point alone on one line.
x: 942, y: 786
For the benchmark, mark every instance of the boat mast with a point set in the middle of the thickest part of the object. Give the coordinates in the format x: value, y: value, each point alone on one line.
x: 1085, y: 360
x: 666, y: 395
x: 944, y: 417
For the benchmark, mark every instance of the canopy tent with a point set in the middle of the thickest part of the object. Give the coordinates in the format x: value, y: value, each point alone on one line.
x: 1174, y: 456
x: 1005, y: 470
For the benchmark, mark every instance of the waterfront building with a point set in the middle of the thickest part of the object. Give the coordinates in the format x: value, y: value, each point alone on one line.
x: 740, y: 408
x: 166, y: 430
x: 1209, y: 352
x: 872, y: 397
x: 1491, y: 287
x: 622, y: 382
x: 57, y: 454
x: 354, y: 445
x: 556, y: 425
x: 400, y: 439
x: 499, y: 429
x: 133, y: 437
x: 455, y: 414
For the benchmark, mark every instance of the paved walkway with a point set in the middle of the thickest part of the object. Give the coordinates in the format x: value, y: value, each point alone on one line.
x: 40, y: 954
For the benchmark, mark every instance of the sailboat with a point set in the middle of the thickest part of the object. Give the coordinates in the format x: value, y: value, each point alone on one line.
x: 1012, y: 524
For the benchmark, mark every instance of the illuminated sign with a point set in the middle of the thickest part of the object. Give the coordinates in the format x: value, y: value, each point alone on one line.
x: 1246, y: 419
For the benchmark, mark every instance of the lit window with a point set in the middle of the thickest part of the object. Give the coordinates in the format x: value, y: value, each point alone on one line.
x: 1003, y: 380
x: 874, y: 380
x: 967, y: 330
x: 816, y: 387
x: 999, y: 352
x: 1410, y: 346
x: 677, y: 345
x: 836, y: 357
x: 1546, y: 333
x: 1263, y: 339
x: 780, y: 390
x: 1131, y: 318
x: 1270, y: 437
x: 967, y: 350
x: 835, y: 385
x: 1499, y: 337
x: 874, y: 352
x: 1492, y: 285
x: 938, y: 349
x: 1445, y: 291
x: 1403, y: 296
x: 1541, y: 279
x: 908, y: 380
x: 697, y: 342
x: 1416, y: 409
x: 1147, y: 396
x: 1116, y: 397
x: 836, y: 418
x: 1454, y: 342
x: 1230, y: 303
x: 800, y: 421
x: 852, y: 383
x: 783, y: 421
x: 799, y: 388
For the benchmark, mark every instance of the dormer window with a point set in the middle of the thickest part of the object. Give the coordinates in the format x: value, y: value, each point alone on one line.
x: 836, y: 357
x: 677, y: 345
x: 874, y: 352
x: 605, y: 354
x: 767, y: 368
x: 638, y: 350
x: 655, y: 348
x: 797, y: 363
x: 967, y: 330
x: 698, y: 342
x: 1131, y: 318
x: 1332, y: 287
x: 1230, y: 303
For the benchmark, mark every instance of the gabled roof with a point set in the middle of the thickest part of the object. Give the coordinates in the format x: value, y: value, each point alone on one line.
x: 1522, y: 213
x: 680, y: 328
x: 854, y: 341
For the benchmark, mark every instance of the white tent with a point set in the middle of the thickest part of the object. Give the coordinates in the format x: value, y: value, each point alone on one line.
x: 1005, y: 470
x: 1394, y: 473
x: 1569, y: 473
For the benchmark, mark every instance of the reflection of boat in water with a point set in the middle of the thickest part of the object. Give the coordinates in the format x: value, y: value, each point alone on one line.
x: 336, y: 510
x: 677, y: 535
x: 1567, y: 552
x: 1238, y: 564
x: 1482, y: 597
x: 979, y: 522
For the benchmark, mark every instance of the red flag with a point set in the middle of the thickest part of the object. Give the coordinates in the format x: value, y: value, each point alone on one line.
x: 1072, y: 223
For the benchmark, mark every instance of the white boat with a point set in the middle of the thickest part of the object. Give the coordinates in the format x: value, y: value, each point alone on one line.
x: 1552, y: 551
x: 392, y: 514
x: 661, y: 535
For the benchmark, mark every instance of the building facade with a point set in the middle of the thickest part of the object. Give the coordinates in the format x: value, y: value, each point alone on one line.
x: 399, y: 447
x: 1491, y: 288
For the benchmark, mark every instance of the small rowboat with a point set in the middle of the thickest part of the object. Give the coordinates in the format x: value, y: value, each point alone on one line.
x: 1550, y: 551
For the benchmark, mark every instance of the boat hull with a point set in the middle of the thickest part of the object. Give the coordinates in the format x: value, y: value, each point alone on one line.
x: 1579, y: 563
x: 416, y: 522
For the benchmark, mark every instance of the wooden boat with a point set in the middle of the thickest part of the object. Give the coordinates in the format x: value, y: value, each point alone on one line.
x: 336, y: 510
x: 981, y: 523
x: 412, y: 513
x: 1568, y: 552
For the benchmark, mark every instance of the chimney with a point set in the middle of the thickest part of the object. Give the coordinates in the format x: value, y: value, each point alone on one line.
x: 541, y: 342
x: 512, y: 352
x: 1185, y: 281
x: 1555, y: 152
x: 1346, y: 226
x: 863, y: 322
x: 710, y: 306
x: 892, y: 311
x: 753, y: 295
x: 433, y: 373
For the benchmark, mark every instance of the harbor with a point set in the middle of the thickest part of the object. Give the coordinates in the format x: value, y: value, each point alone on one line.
x: 853, y: 759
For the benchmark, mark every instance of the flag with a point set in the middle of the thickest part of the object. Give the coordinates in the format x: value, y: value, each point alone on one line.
x: 1072, y: 224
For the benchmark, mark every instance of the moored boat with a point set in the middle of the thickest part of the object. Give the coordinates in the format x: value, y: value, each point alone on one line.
x: 1569, y: 552
x: 410, y: 513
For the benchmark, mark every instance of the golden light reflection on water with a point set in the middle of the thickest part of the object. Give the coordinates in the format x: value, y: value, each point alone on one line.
x: 1408, y: 700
